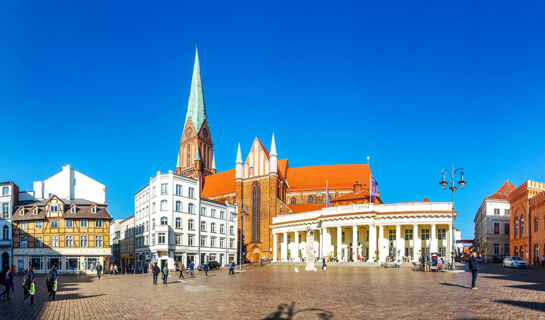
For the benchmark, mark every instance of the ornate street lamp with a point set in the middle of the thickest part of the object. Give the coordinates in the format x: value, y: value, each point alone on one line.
x: 444, y: 183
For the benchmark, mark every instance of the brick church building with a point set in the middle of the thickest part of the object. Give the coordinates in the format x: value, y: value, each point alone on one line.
x: 262, y: 185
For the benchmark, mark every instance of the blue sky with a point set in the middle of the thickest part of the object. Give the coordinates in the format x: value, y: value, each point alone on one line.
x: 416, y: 86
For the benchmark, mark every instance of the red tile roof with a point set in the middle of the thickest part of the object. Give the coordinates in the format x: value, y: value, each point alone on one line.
x: 352, y: 196
x: 338, y: 176
x: 503, y: 192
x: 298, y: 208
x: 219, y: 184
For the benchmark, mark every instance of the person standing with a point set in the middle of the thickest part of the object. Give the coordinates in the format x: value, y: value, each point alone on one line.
x: 99, y: 270
x: 191, y: 267
x: 232, y: 267
x: 155, y: 271
x: 9, y: 282
x: 324, y: 266
x: 28, y: 285
x: 205, y: 268
x: 543, y: 261
x: 474, y: 267
x: 51, y: 282
x: 165, y: 273
x: 181, y: 267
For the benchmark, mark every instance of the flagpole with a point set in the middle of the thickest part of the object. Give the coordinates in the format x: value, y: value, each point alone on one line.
x: 370, y: 178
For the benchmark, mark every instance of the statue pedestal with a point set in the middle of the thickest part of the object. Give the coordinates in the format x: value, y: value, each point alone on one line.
x: 310, y: 251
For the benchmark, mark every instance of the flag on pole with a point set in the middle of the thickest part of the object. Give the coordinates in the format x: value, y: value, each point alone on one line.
x: 328, y: 198
x: 374, y: 189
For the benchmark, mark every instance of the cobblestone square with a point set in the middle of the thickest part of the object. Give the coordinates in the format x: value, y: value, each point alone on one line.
x: 279, y: 292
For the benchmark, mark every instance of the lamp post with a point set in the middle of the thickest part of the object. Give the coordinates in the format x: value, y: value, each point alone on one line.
x: 243, y: 213
x: 453, y: 188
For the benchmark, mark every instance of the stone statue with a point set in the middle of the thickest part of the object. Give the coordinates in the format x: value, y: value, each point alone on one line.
x: 310, y: 250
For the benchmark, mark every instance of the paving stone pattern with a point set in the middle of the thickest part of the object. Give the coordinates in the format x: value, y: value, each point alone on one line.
x: 278, y: 292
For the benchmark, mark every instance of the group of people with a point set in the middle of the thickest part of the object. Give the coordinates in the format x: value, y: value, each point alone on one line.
x: 29, y: 283
x: 156, y: 270
x: 6, y: 278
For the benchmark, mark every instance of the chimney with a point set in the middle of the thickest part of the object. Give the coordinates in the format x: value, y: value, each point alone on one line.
x: 357, y: 187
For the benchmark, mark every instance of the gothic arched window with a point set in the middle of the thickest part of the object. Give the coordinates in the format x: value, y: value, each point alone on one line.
x: 536, y: 224
x: 516, y: 227
x: 521, y: 226
x: 310, y: 199
x: 5, y: 233
x: 256, y: 212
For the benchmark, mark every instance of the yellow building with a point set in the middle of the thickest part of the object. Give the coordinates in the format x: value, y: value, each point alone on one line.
x: 73, y: 235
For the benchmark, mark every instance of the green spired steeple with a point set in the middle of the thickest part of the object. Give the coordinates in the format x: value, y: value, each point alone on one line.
x: 196, y: 109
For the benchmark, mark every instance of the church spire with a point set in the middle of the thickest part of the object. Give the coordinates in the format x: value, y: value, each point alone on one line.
x: 213, y: 162
x: 178, y: 164
x: 196, y: 109
x: 239, y: 155
x: 273, y: 147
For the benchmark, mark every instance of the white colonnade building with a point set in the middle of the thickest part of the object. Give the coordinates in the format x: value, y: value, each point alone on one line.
x: 366, y: 232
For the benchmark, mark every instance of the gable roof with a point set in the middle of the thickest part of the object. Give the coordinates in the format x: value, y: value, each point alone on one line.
x: 218, y: 184
x: 503, y: 192
x: 338, y: 176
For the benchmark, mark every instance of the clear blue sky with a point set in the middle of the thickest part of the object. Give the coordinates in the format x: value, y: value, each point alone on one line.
x: 416, y: 86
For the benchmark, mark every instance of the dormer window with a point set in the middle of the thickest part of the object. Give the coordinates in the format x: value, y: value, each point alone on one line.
x: 34, y: 211
x: 22, y: 212
x: 54, y: 208
x: 94, y: 209
x: 73, y: 209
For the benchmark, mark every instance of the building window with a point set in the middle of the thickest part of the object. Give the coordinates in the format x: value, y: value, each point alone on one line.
x: 232, y: 230
x: 5, y: 191
x: 391, y: 235
x: 163, y: 205
x: 213, y: 242
x: 441, y: 234
x: 178, y: 223
x: 22, y: 212
x: 34, y: 211
x: 191, y: 193
x: 178, y: 239
x: 98, y: 223
x: 54, y: 241
x: 190, y: 225
x: 408, y: 234
x: 506, y: 249
x: 536, y: 224
x: 164, y: 221
x: 222, y: 215
x: 425, y: 234
x: 38, y: 242
x: 213, y: 227
x: 203, y: 241
x: 231, y: 243
x: 94, y: 209
x: 153, y: 224
x: 310, y: 199
x: 222, y: 242
x: 293, y: 200
x: 68, y: 241
x: 179, y: 206
x: 516, y: 252
x: 37, y: 263
x: 213, y: 213
x: 5, y: 210
x: 23, y: 241
x: 507, y: 228
x: 521, y: 226
x: 83, y: 223
x: 73, y: 209
x: 443, y: 251
x: 222, y: 228
x: 496, y: 228
x: 178, y: 189
x: 256, y: 212
x: 507, y: 212
x: 232, y: 216
x: 54, y: 224
x: 98, y: 241
x: 516, y: 226
x: 190, y: 240
x: 5, y: 233
x: 203, y: 211
x: 496, y: 212
x: 164, y: 188
x: 161, y: 238
x: 83, y: 241
x: 38, y: 224
x: 522, y: 252
x: 191, y: 208
x: 23, y: 225
x: 203, y: 226
x: 54, y: 208
x: 497, y: 249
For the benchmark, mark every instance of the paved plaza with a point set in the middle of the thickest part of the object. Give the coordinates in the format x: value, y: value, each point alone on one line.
x: 278, y: 292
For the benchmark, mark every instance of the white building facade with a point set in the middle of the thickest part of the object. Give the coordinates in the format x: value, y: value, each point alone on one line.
x: 173, y: 224
x: 8, y: 198
x: 366, y: 232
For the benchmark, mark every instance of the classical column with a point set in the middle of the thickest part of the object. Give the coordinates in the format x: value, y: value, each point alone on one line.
x: 433, y: 239
x: 284, y: 249
x: 448, y: 247
x: 339, y: 243
x: 372, y: 242
x: 275, y: 246
x: 416, y: 243
x: 296, y: 255
x: 383, y: 252
x: 399, y: 243
x: 354, y: 243
x: 321, y: 249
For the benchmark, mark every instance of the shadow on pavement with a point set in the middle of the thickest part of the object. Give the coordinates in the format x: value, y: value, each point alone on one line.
x: 539, y: 306
x: 285, y: 311
x: 454, y: 285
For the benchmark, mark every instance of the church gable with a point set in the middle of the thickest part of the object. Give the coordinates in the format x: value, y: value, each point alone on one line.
x: 257, y: 162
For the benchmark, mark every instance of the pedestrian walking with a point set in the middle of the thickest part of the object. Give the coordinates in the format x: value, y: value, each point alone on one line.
x: 99, y: 270
x: 474, y: 267
x: 155, y: 271
x: 205, y: 268
x: 232, y: 267
x: 165, y: 273
x: 51, y: 282
x: 8, y: 280
x: 181, y: 267
x: 324, y: 266
x: 543, y: 261
x: 29, y: 286
x: 191, y: 267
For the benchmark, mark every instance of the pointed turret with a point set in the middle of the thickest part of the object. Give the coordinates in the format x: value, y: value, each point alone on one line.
x: 273, y: 164
x: 196, y: 109
x: 178, y: 164
x: 213, y: 162
x: 238, y: 164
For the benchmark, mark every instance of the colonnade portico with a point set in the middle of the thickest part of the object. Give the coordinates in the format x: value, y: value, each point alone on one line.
x: 360, y: 233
